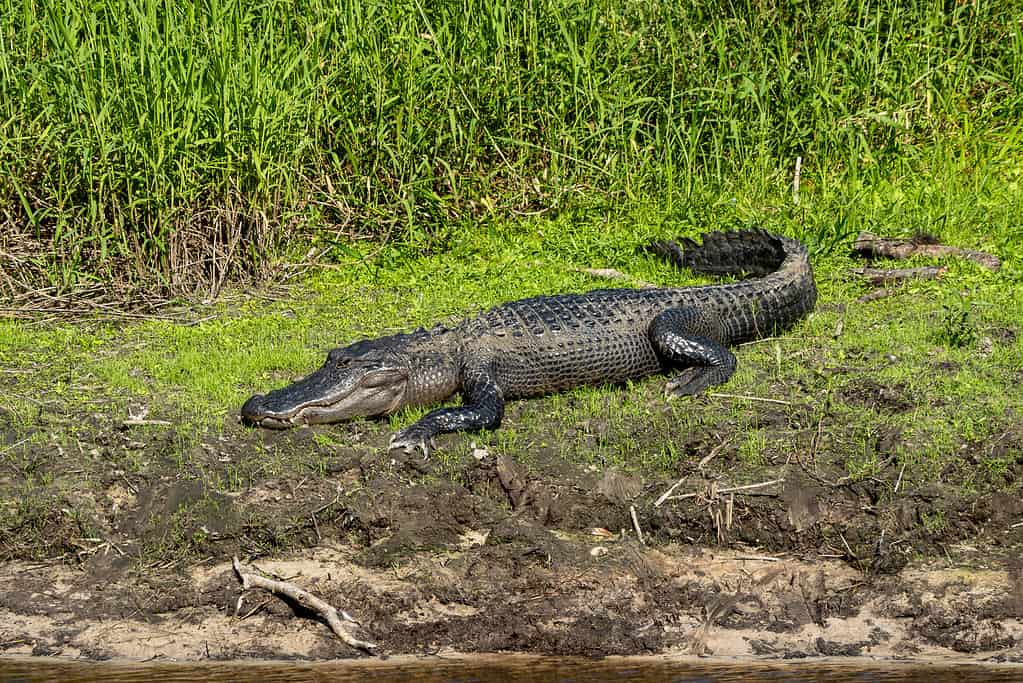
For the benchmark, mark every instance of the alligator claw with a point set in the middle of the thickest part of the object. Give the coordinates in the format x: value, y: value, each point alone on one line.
x: 689, y: 382
x: 410, y: 443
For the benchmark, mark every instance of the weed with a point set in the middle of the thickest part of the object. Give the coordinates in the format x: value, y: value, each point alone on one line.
x: 957, y: 328
x: 751, y: 450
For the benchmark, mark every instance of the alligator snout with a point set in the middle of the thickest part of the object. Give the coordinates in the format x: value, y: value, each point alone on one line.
x: 253, y: 409
x: 255, y: 412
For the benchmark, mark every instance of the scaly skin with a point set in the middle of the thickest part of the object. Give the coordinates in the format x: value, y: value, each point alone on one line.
x: 551, y: 343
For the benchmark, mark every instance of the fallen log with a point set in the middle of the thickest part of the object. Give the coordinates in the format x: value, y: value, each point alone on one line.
x: 869, y: 245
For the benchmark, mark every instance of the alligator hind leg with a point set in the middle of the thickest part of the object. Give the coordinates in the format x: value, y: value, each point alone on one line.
x: 483, y: 409
x: 685, y: 337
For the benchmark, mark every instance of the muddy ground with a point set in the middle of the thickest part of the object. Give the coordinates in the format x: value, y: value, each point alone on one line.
x: 118, y: 537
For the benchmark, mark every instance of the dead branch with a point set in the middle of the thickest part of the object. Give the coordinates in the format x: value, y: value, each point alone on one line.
x: 870, y: 245
x: 330, y: 614
x: 884, y: 276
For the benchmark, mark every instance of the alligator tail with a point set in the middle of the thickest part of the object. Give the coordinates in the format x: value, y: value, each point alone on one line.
x: 754, y: 252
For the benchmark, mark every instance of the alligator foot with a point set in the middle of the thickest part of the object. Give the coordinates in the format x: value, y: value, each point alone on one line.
x: 410, y: 440
x: 692, y: 381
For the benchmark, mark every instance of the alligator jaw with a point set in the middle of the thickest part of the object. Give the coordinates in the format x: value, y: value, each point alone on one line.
x: 319, y: 399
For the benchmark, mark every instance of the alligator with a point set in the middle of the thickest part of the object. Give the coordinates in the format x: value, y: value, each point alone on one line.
x: 546, y: 344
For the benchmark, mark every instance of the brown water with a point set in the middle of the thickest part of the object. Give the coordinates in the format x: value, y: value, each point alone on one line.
x: 499, y: 670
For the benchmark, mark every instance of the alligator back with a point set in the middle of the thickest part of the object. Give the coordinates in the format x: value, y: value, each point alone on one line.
x: 550, y: 343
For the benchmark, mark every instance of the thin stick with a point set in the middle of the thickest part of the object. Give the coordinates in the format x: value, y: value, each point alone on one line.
x: 707, y: 458
x: 713, y: 452
x: 848, y: 549
x: 764, y: 340
x: 139, y: 422
x: 747, y: 487
x: 666, y: 494
x: 795, y: 180
x: 635, y: 524
x: 255, y: 609
x: 757, y: 558
x: 743, y: 397
x: 899, y: 481
x: 734, y: 489
x: 332, y: 616
x: 1016, y: 525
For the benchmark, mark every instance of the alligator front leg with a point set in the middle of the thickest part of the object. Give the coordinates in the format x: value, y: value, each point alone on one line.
x: 483, y: 409
x: 686, y: 337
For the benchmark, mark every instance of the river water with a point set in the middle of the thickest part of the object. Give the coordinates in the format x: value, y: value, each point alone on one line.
x: 500, y: 670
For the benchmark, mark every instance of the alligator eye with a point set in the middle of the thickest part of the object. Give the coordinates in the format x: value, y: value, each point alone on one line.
x: 343, y: 362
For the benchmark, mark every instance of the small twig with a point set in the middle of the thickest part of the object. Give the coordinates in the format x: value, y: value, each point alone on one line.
x: 326, y: 505
x: 758, y: 558
x: 747, y: 487
x: 795, y: 180
x: 330, y: 614
x: 635, y: 524
x: 898, y: 482
x: 254, y: 609
x: 139, y: 422
x: 713, y: 452
x: 846, y: 544
x: 316, y: 528
x: 733, y: 489
x: 671, y: 489
x: 764, y: 340
x: 1016, y: 525
x: 743, y: 397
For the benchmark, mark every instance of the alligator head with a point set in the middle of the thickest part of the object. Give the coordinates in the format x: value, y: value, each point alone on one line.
x: 366, y: 379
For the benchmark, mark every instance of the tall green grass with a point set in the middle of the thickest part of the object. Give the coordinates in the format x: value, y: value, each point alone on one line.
x: 177, y: 142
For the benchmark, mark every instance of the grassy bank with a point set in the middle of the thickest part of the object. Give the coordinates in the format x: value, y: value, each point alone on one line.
x: 152, y: 142
x: 909, y: 400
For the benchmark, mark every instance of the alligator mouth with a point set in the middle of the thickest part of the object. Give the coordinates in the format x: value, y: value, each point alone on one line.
x: 304, y: 415
x: 278, y: 422
x: 379, y: 393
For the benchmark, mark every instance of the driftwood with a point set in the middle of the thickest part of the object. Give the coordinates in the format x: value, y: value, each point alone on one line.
x: 870, y: 245
x: 330, y: 614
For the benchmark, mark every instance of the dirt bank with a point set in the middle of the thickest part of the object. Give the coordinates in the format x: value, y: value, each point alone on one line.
x: 114, y: 549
